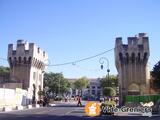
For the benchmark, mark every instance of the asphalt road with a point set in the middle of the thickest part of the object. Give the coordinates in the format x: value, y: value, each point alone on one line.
x: 62, y: 112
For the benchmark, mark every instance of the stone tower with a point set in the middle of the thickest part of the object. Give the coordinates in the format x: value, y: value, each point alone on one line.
x: 27, y: 63
x: 131, y: 62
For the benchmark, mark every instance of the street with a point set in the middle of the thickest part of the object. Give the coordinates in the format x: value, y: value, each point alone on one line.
x: 62, y: 111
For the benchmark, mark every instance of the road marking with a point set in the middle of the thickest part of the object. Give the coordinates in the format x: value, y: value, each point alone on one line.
x: 67, y: 113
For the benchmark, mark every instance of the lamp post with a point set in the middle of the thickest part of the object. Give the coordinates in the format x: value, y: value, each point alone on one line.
x: 102, y: 61
x: 59, y: 87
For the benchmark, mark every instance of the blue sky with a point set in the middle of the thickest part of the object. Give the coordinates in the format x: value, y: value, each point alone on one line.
x: 69, y: 30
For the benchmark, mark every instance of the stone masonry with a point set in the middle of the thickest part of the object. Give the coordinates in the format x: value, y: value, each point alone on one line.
x: 27, y: 63
x: 131, y: 62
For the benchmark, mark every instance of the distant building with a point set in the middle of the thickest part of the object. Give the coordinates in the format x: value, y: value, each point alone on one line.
x: 93, y: 89
x: 131, y: 61
x: 27, y: 64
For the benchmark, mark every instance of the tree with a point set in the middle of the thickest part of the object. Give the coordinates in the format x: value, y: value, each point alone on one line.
x: 4, y: 70
x: 156, y: 75
x: 109, y: 91
x: 81, y: 83
x: 112, y: 82
x: 4, y: 73
x: 56, y: 83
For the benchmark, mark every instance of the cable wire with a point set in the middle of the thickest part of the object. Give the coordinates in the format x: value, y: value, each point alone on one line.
x: 84, y: 59
x: 76, y: 61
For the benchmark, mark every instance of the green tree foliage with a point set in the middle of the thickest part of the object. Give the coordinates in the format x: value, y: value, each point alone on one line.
x: 56, y: 83
x: 81, y: 83
x: 4, y: 70
x: 112, y: 82
x: 109, y: 91
x: 4, y: 73
x: 156, y: 75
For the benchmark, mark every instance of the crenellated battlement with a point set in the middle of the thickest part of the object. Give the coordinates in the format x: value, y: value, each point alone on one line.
x: 137, y: 47
x: 23, y: 48
x: 26, y: 53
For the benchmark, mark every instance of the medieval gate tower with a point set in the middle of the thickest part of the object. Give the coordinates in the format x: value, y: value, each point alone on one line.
x: 27, y: 63
x: 131, y: 62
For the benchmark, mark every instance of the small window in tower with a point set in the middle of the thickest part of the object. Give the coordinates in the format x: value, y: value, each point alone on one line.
x: 120, y: 56
x: 38, y: 50
x: 40, y: 77
x: 43, y: 54
x: 34, y: 75
x: 139, y: 56
x: 29, y: 60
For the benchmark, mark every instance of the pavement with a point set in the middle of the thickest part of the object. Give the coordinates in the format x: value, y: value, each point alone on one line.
x: 63, y: 111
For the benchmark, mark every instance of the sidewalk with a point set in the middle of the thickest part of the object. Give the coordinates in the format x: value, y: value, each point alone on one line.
x: 16, y: 108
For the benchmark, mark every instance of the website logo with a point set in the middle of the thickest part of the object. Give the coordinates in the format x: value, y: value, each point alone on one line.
x: 92, y: 109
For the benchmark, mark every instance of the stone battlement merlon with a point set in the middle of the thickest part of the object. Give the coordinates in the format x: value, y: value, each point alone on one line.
x: 139, y: 45
x: 145, y: 41
x: 139, y: 41
x: 119, y: 41
x: 142, y: 34
x: 132, y: 41
x: 25, y: 48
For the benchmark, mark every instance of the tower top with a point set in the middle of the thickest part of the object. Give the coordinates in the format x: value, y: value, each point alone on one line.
x: 20, y: 41
x: 25, y: 49
x: 139, y: 42
x: 142, y: 34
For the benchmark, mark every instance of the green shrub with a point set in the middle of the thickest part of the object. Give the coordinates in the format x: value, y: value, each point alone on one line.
x: 109, y: 91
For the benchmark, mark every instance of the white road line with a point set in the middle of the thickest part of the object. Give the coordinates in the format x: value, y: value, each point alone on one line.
x: 67, y: 113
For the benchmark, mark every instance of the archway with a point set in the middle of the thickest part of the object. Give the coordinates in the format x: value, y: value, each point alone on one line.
x: 133, y: 89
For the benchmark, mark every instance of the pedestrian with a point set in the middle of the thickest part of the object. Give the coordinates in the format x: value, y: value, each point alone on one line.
x: 79, y: 101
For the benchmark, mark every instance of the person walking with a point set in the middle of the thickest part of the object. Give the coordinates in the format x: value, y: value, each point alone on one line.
x: 79, y: 101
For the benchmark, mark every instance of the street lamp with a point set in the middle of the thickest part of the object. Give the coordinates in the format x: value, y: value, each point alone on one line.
x: 59, y: 87
x: 102, y: 61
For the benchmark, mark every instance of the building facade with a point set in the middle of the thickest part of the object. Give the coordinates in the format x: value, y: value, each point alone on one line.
x: 27, y: 64
x: 131, y: 62
x: 93, y: 89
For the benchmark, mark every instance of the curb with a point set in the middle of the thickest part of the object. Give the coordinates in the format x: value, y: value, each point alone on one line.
x: 17, y: 108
